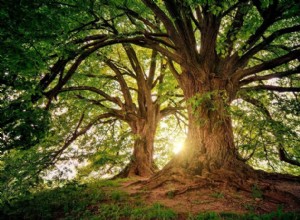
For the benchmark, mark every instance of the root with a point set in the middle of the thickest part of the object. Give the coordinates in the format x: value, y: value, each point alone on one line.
x: 133, y: 170
x: 190, y: 188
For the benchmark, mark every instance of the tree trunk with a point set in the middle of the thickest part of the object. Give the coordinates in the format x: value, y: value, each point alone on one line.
x: 209, y: 145
x: 141, y: 163
x: 209, y: 149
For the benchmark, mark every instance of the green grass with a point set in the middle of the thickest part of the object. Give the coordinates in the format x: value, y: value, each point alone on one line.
x: 104, y: 200
x: 118, y: 195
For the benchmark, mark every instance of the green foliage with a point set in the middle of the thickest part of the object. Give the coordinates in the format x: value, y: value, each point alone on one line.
x: 206, y: 216
x: 156, y: 211
x: 201, y: 99
x: 75, y: 201
x: 118, y: 196
x: 207, y: 100
x: 22, y: 125
x: 259, y: 135
x: 70, y: 199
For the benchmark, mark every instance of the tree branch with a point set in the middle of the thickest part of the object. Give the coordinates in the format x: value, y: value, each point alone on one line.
x: 152, y: 69
x: 122, y: 82
x: 245, y: 58
x: 77, y: 133
x: 283, y: 156
x: 273, y: 88
x: 295, y: 54
x: 170, y: 110
x: 270, y: 76
x: 164, y: 19
x: 115, y: 100
x: 136, y: 15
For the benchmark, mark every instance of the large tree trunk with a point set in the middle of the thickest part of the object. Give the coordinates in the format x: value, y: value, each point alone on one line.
x: 142, y: 163
x: 209, y: 145
x: 209, y: 149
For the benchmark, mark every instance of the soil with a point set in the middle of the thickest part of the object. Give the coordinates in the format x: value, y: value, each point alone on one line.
x: 265, y: 195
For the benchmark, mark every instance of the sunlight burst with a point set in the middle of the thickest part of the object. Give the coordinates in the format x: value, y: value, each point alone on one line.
x: 177, y: 146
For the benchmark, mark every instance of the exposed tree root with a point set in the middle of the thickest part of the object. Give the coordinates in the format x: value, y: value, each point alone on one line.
x: 254, y: 185
x: 136, y: 170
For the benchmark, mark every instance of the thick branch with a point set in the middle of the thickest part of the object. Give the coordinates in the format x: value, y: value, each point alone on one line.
x: 273, y: 88
x: 54, y: 71
x: 94, y: 37
x: 152, y: 69
x: 245, y: 58
x: 122, y: 82
x: 182, y: 18
x: 269, y: 15
x: 121, y: 114
x: 283, y: 156
x: 136, y: 15
x: 144, y: 92
x: 115, y: 100
x: 237, y: 23
x: 270, y: 76
x: 269, y: 64
x: 170, y: 110
x: 174, y: 72
x: 164, y: 18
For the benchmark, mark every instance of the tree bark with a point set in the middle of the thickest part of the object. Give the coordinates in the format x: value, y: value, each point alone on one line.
x: 142, y: 163
x: 209, y: 149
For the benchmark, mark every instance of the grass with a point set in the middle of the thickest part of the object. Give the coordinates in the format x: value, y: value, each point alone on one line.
x: 104, y: 200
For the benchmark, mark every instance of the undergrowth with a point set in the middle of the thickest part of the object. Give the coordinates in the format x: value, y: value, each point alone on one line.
x: 104, y: 200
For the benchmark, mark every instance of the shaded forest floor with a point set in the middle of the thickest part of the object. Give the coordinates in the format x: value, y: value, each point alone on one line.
x: 129, y: 199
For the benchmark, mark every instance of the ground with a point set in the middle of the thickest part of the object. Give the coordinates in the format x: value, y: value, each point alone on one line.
x: 275, y: 197
x: 266, y: 196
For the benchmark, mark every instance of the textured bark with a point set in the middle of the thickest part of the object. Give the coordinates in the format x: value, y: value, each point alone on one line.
x: 141, y: 163
x: 209, y: 144
x: 209, y: 150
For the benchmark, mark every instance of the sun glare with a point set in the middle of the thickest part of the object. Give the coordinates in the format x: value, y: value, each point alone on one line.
x: 177, y: 146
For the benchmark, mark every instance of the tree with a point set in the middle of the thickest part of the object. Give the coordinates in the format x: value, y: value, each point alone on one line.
x: 128, y: 89
x: 60, y: 44
x: 215, y: 50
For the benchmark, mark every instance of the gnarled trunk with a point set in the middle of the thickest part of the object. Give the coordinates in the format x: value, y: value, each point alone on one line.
x: 209, y: 145
x: 209, y: 149
x: 141, y: 163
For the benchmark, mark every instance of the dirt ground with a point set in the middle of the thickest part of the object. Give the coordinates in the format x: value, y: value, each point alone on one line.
x: 205, y: 195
